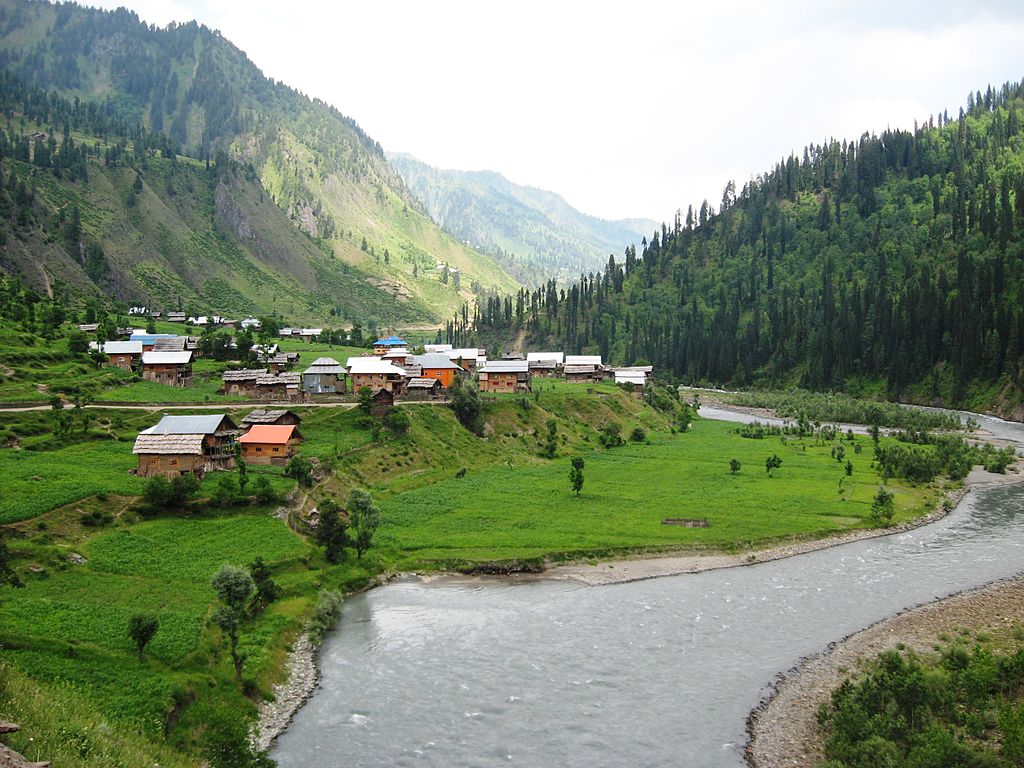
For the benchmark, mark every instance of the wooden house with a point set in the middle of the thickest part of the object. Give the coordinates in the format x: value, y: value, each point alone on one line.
x: 173, y: 368
x: 242, y: 382
x: 545, y: 364
x: 176, y: 316
x: 270, y: 443
x: 325, y: 376
x: 268, y: 416
x: 170, y: 344
x: 121, y: 354
x: 309, y: 335
x: 439, y: 367
x: 283, y: 386
x: 424, y: 387
x: 469, y: 359
x: 581, y: 374
x: 505, y: 376
x: 385, y: 345
x: 88, y: 327
x: 383, y: 401
x: 376, y: 374
x: 181, y: 444
x: 435, y: 349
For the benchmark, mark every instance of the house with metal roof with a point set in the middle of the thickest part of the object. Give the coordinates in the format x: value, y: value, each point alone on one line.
x: 505, y: 376
x: 171, y: 368
x: 594, y: 360
x: 437, y: 366
x: 381, y: 346
x: 424, y: 387
x: 437, y: 348
x: 270, y: 443
x: 376, y: 374
x: 120, y: 354
x: 325, y: 376
x: 181, y: 444
x: 470, y: 358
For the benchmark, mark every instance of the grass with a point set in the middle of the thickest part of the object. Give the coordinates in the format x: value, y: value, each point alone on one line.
x: 527, y: 511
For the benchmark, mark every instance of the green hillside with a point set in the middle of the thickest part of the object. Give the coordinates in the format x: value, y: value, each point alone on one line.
x: 285, y: 161
x: 536, y: 235
x: 891, y: 266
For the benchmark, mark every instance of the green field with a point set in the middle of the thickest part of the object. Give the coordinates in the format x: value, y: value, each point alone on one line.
x: 528, y: 511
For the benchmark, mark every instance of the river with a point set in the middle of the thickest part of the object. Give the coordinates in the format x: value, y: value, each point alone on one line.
x: 485, y: 672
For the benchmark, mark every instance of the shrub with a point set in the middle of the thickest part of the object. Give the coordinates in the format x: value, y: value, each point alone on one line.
x: 638, y: 435
x: 611, y: 435
x: 325, y: 615
x: 299, y: 469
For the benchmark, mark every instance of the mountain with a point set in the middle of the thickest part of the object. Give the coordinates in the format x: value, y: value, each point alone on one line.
x: 891, y: 264
x: 534, y: 234
x: 365, y: 249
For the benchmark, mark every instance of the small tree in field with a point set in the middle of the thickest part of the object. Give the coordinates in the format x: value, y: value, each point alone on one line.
x: 772, y: 463
x: 267, y: 590
x: 882, y: 507
x: 734, y: 465
x: 332, y: 531
x: 576, y: 474
x: 234, y: 588
x: 141, y: 628
x: 363, y: 518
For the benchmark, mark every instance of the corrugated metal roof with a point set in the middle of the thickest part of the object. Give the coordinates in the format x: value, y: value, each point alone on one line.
x: 121, y: 347
x: 470, y: 353
x: 373, y: 365
x: 172, y: 444
x: 436, y: 361
x: 275, y: 434
x: 580, y: 368
x: 390, y: 341
x: 582, y: 359
x: 505, y: 366
x: 630, y: 378
x: 436, y: 348
x: 166, y: 358
x: 204, y: 424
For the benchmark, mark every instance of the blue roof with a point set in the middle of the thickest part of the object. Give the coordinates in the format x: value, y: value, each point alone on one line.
x: 390, y: 341
x: 149, y: 338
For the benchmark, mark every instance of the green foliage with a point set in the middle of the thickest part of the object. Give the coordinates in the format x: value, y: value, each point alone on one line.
x: 611, y: 435
x: 638, y: 435
x: 299, y: 469
x: 734, y: 465
x: 225, y: 744
x: 267, y: 590
x: 234, y: 588
x: 576, y: 474
x: 550, y: 449
x: 396, y: 421
x: 882, y: 507
x: 332, y: 530
x: 771, y: 464
x: 263, y: 490
x: 913, y: 712
x: 141, y: 629
x: 161, y: 493
x: 363, y: 519
x: 464, y: 398
x: 325, y: 614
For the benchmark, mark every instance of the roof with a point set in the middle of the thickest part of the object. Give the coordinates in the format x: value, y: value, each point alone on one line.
x: 390, y: 341
x: 466, y: 354
x: 204, y: 424
x: 436, y: 361
x: 265, y: 416
x: 542, y: 365
x: 166, y: 358
x: 120, y: 347
x: 553, y: 357
x: 582, y: 359
x: 373, y: 365
x: 169, y: 344
x: 325, y: 365
x: 436, y: 348
x: 505, y: 366
x: 88, y: 327
x: 310, y: 331
x: 279, y: 379
x: 149, y: 338
x: 397, y: 352
x: 623, y: 377
x: 245, y: 374
x: 275, y: 434
x: 639, y: 370
x: 174, y: 444
x: 421, y: 383
x: 580, y: 369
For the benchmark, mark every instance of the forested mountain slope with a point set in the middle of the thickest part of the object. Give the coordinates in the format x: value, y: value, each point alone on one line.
x: 891, y: 264
x: 207, y: 100
x: 536, y: 235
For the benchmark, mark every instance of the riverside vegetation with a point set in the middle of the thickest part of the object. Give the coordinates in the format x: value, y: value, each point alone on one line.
x: 95, y: 546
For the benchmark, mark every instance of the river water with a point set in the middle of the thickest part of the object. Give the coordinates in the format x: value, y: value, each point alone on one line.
x: 474, y: 672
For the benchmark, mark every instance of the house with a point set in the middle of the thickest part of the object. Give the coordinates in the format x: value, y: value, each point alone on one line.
x: 170, y: 344
x: 399, y: 356
x: 136, y: 310
x: 286, y: 333
x: 432, y: 349
x: 267, y: 416
x: 88, y: 327
x: 120, y: 354
x: 270, y: 443
x: 282, y: 360
x: 148, y: 339
x: 581, y: 374
x: 505, y: 376
x: 250, y: 322
x: 181, y: 444
x: 385, y: 345
x: 282, y: 386
x: 324, y: 376
x: 383, y: 401
x: 309, y: 335
x: 470, y: 359
x: 176, y: 316
x: 242, y: 382
x: 424, y: 387
x: 376, y: 374
x: 439, y: 367
x: 173, y: 368
x: 631, y: 378
x: 594, y: 360
x: 545, y: 364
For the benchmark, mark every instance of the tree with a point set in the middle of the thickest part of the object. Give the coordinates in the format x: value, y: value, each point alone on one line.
x: 78, y: 343
x: 363, y: 518
x: 466, y: 403
x: 551, y: 443
x: 734, y: 465
x: 396, y: 421
x: 882, y: 507
x: 267, y: 590
x: 263, y: 490
x: 611, y: 435
x: 576, y: 474
x: 234, y: 587
x: 772, y: 463
x: 365, y: 396
x: 141, y: 628
x: 332, y: 531
x: 849, y: 467
x: 298, y: 468
x: 637, y: 435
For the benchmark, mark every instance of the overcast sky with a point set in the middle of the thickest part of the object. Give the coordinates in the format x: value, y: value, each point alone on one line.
x: 632, y: 108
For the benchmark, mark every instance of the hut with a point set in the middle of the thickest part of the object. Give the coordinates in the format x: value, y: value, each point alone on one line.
x: 424, y: 387
x: 268, y: 416
x: 383, y: 401
x: 242, y: 382
x: 270, y: 443
x: 325, y: 376
x: 178, y: 445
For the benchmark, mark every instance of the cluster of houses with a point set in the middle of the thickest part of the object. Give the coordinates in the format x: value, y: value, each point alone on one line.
x: 179, y: 445
x: 165, y: 358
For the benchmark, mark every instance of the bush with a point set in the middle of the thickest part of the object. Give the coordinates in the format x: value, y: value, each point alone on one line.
x: 638, y: 435
x: 611, y: 435
x: 325, y: 615
x: 396, y: 421
x: 467, y: 405
x: 299, y: 469
x: 263, y: 490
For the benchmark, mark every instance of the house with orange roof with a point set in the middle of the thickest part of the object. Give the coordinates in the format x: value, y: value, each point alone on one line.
x: 270, y: 443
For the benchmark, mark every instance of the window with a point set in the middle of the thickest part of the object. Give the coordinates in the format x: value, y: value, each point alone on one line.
x: 259, y: 449
x: 172, y: 463
x: 276, y: 449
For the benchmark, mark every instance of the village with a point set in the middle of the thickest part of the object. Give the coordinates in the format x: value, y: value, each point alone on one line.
x: 393, y: 371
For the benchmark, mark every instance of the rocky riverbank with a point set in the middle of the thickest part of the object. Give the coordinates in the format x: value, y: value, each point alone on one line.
x: 783, y: 730
x: 289, y: 696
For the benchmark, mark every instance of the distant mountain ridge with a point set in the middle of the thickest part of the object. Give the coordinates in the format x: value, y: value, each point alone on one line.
x: 189, y: 85
x: 534, y: 233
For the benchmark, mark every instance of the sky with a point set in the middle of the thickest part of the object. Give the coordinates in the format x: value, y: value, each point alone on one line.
x: 627, y: 109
